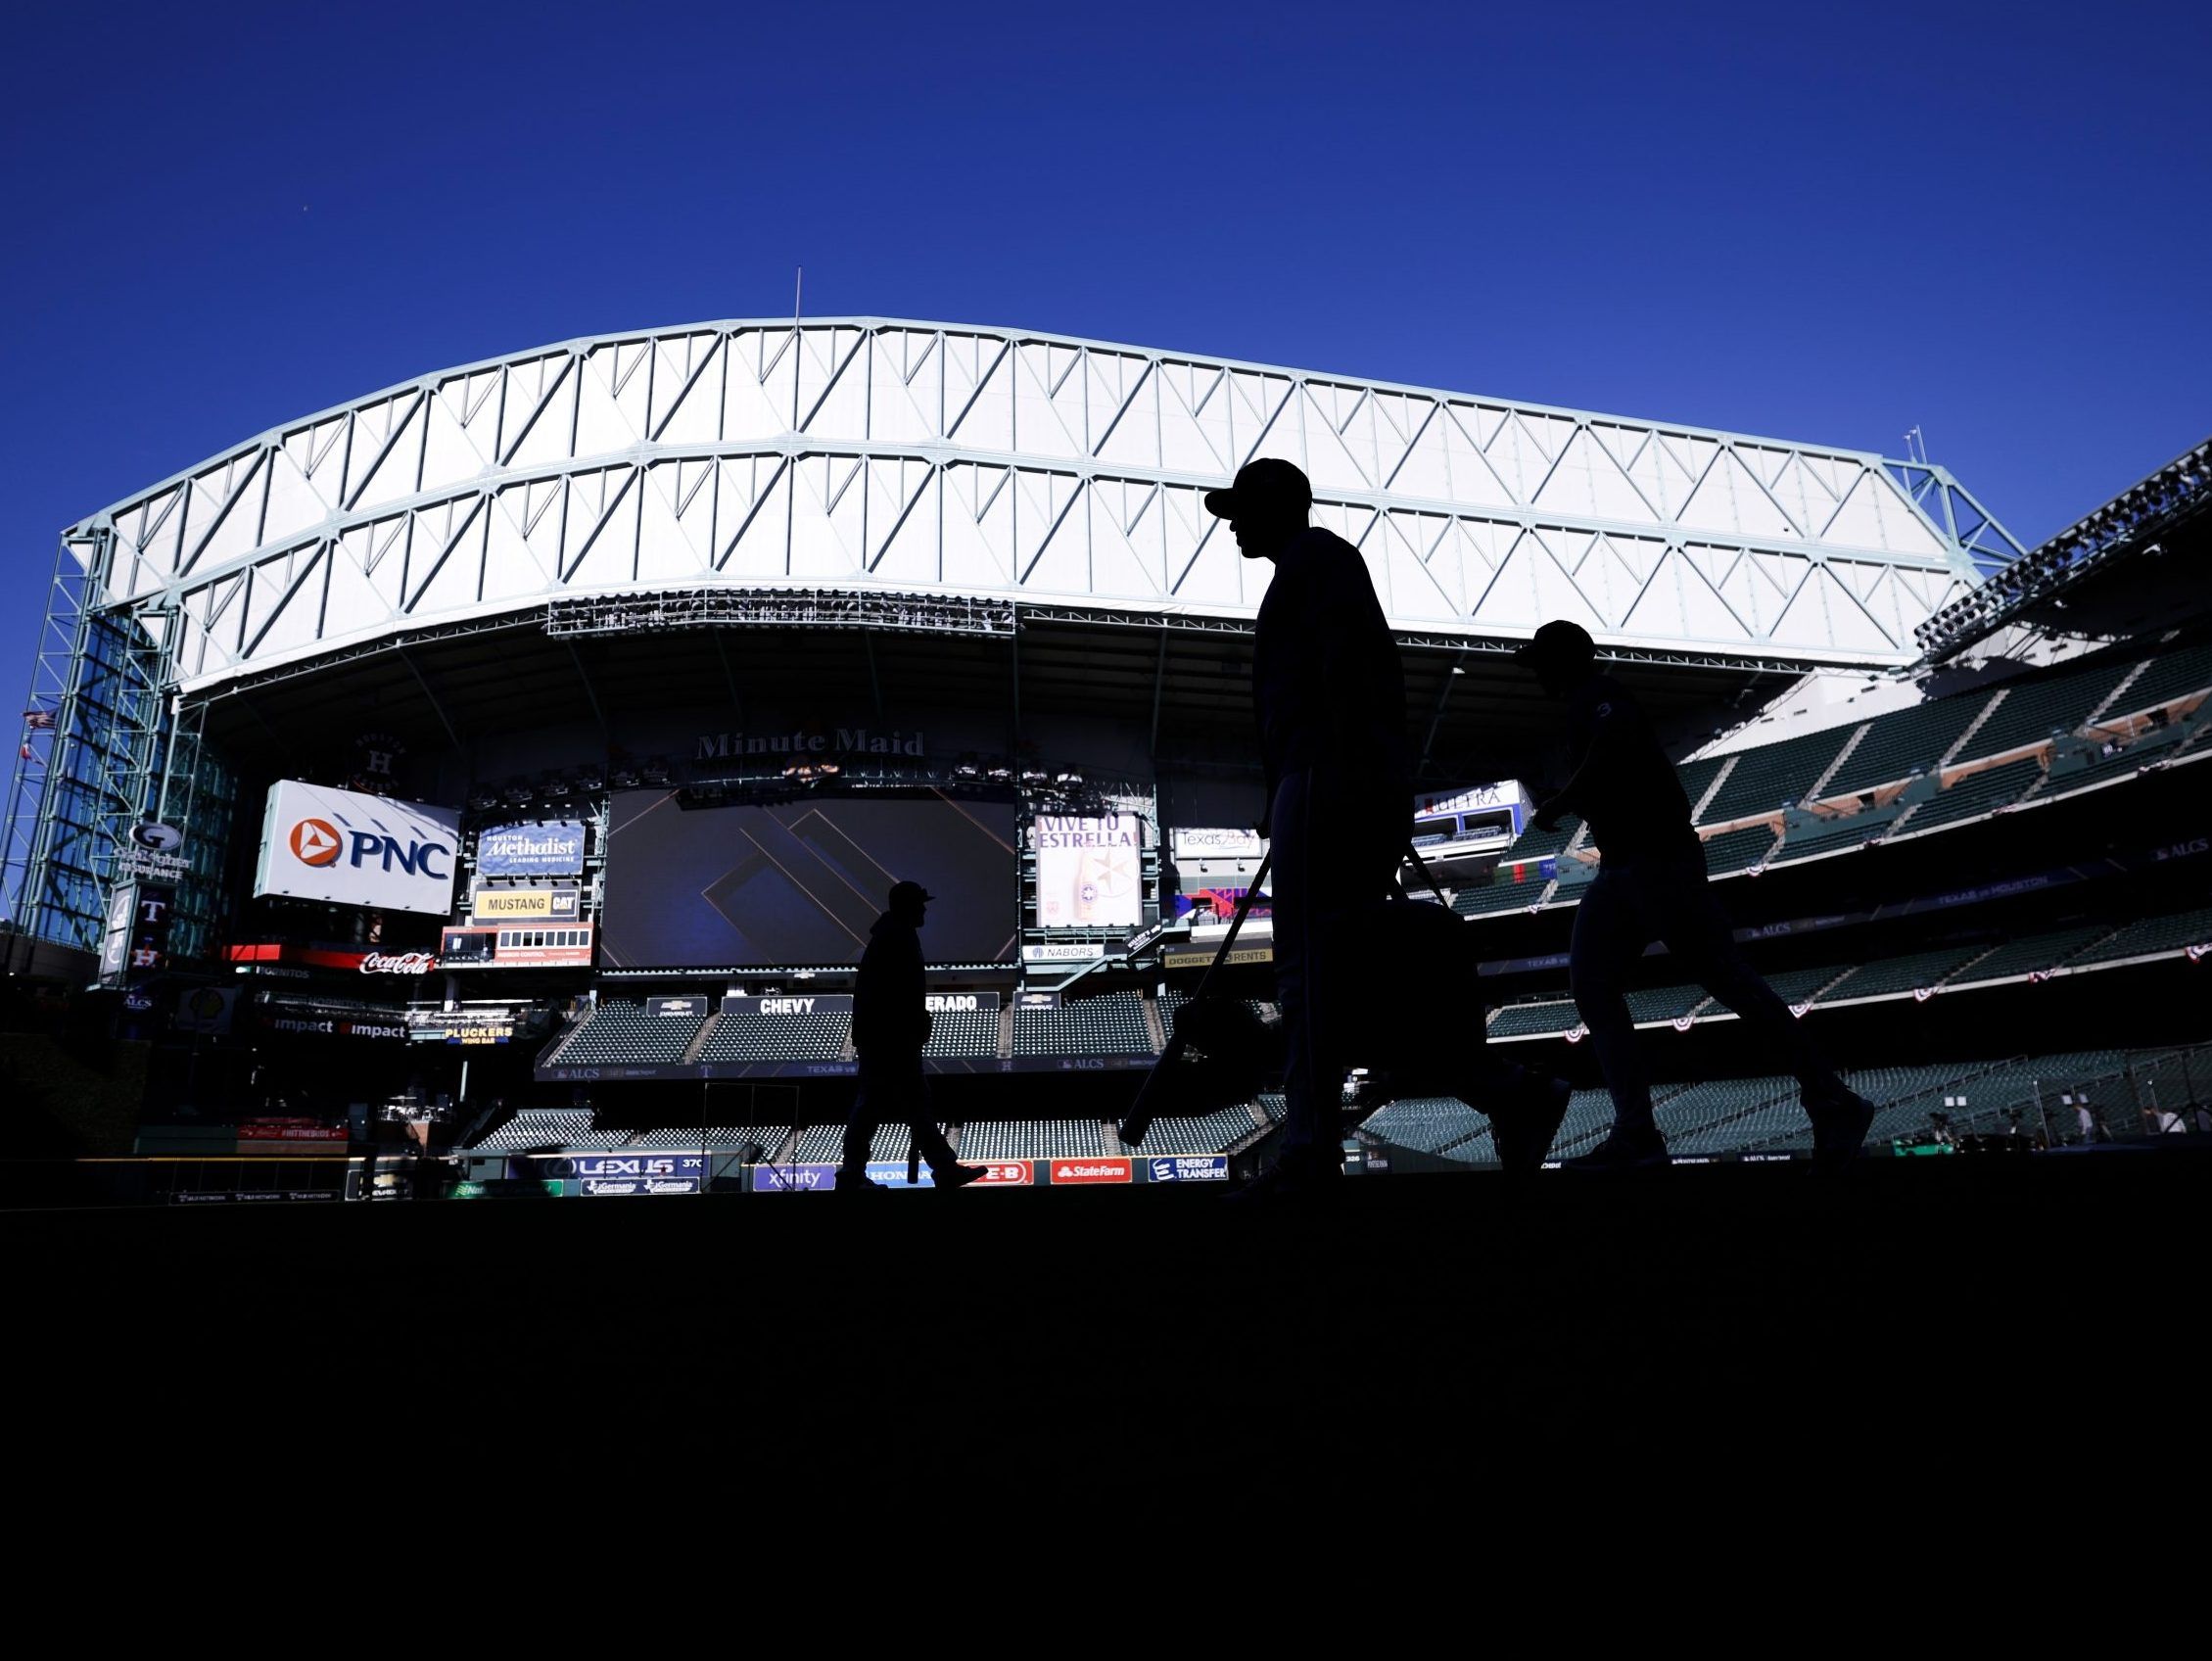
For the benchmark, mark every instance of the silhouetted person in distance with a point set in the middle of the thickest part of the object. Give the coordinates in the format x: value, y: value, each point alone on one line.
x: 1651, y: 884
x: 890, y: 1024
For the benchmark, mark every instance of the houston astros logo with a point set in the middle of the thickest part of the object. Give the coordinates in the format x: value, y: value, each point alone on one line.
x: 314, y: 841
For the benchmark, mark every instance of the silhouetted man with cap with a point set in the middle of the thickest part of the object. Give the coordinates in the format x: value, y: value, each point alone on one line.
x: 1329, y: 697
x: 890, y: 1026
x: 1651, y: 884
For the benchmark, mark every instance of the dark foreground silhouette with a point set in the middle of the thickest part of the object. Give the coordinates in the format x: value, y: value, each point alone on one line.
x: 1651, y: 885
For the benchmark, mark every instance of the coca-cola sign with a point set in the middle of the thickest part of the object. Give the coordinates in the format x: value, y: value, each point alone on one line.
x: 399, y: 962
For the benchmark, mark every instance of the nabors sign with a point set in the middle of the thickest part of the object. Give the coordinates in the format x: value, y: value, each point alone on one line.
x: 319, y: 844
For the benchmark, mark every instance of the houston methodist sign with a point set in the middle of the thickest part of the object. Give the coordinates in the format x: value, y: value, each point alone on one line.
x: 319, y: 844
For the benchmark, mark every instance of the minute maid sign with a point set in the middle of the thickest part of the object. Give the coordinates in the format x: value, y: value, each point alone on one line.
x: 843, y: 741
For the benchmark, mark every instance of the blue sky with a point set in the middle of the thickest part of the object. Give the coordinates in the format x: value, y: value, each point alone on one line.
x: 1821, y: 223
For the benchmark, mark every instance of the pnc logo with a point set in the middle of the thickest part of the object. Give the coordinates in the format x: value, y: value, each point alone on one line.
x: 315, y: 841
x: 318, y: 844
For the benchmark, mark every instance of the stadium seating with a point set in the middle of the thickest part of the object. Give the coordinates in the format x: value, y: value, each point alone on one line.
x: 1207, y: 1133
x: 1499, y: 896
x: 2123, y: 764
x: 824, y: 1144
x: 1665, y: 1003
x: 1528, y: 1021
x: 625, y: 1034
x: 1697, y: 777
x: 1721, y: 1115
x: 2151, y: 934
x: 2036, y: 706
x: 1829, y: 837
x: 776, y: 1038
x: 1031, y: 1139
x: 2038, y: 951
x: 1534, y: 843
x: 1426, y: 1123
x: 1798, y: 986
x: 1113, y: 1024
x: 1906, y: 973
x: 2170, y: 676
x: 964, y: 1032
x: 536, y: 1127
x: 1738, y: 850
x: 1774, y: 776
x: 742, y: 1138
x: 1903, y: 743
x: 1975, y: 794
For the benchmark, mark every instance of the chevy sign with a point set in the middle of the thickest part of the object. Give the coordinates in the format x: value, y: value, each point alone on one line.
x: 319, y: 844
x: 553, y: 849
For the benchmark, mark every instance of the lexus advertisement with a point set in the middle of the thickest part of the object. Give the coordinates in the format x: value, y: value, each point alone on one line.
x: 802, y: 882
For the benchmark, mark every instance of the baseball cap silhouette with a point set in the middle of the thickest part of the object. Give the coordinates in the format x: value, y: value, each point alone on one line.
x: 909, y: 893
x: 1559, y: 641
x: 1269, y: 484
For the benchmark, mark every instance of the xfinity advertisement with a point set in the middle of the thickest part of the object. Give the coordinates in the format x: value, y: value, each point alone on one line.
x: 802, y: 882
x: 320, y: 843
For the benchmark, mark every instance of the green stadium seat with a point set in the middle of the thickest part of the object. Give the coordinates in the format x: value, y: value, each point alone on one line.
x: 2153, y: 934
x: 1975, y: 794
x: 1904, y: 743
x: 2036, y: 706
x: 1739, y: 850
x: 1774, y: 776
x: 1906, y: 973
x: 1843, y: 837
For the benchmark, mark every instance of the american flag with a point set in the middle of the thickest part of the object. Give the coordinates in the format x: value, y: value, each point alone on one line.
x: 40, y: 720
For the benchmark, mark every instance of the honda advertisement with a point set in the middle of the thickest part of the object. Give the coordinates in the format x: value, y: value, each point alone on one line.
x: 319, y: 844
x: 553, y: 849
x: 1088, y: 871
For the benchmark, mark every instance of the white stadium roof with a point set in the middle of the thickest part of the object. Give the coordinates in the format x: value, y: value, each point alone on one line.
x: 851, y: 455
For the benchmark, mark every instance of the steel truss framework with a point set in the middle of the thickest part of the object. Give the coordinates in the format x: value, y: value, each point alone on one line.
x: 866, y: 457
x: 2130, y: 522
x: 862, y: 454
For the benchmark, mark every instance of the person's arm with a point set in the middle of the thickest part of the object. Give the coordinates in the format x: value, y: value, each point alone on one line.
x: 1606, y: 734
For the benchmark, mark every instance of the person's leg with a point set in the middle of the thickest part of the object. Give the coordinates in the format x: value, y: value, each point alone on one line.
x: 1290, y: 890
x: 1689, y: 918
x: 921, y: 1124
x: 1610, y: 933
x: 861, y: 1122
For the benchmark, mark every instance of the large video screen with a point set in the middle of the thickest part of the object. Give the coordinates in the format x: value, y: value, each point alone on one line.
x: 801, y: 883
x: 1088, y: 869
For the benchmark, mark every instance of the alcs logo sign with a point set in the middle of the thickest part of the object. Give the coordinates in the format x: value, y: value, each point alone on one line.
x: 319, y: 843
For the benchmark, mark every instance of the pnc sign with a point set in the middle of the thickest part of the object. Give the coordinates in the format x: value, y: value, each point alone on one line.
x: 346, y: 846
x: 314, y: 841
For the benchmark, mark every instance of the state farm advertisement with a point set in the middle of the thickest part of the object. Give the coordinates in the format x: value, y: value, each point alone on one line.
x: 1089, y: 874
x: 319, y: 844
x: 1077, y: 1172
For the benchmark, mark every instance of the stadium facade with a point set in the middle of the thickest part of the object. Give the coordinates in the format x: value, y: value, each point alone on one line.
x: 919, y: 538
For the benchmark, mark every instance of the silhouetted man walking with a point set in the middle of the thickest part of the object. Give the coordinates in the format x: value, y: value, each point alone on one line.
x: 890, y: 1026
x: 1651, y: 884
x: 1331, y: 701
